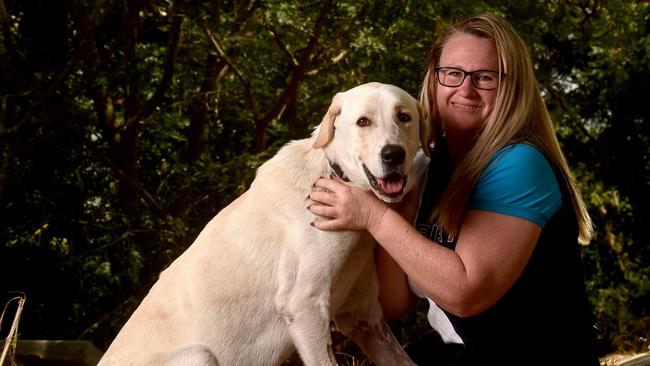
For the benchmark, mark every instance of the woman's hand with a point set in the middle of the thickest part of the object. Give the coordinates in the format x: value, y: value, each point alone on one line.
x: 344, y: 207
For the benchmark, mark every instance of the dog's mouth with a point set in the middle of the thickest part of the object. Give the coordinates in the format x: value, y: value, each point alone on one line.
x: 390, y: 186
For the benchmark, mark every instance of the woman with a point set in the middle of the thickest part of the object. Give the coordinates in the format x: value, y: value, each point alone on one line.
x: 495, y: 248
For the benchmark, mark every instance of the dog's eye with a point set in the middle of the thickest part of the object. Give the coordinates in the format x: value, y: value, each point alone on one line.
x: 403, y: 117
x: 363, y: 122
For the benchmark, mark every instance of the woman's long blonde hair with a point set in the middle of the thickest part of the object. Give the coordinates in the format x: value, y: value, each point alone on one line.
x: 519, y: 115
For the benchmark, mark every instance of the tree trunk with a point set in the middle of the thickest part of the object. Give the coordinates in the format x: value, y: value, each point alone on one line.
x: 196, y: 134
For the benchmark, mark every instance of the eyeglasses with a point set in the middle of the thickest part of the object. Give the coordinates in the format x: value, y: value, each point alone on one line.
x: 481, y: 79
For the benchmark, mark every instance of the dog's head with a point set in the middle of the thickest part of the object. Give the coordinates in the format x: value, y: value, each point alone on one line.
x: 373, y: 132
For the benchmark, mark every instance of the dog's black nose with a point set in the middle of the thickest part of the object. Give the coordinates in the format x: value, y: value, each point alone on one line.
x: 393, y: 155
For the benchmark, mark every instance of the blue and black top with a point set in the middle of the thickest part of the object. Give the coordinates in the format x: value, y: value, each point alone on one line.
x: 545, y: 317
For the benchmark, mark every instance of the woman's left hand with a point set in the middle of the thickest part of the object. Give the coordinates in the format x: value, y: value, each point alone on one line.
x: 344, y: 207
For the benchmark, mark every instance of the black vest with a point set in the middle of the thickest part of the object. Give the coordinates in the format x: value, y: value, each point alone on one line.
x: 545, y: 317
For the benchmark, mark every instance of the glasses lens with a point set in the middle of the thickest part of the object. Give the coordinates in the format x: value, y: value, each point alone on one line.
x: 484, y: 79
x: 449, y: 76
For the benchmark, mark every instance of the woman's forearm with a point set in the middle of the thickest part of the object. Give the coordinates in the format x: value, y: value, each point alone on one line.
x: 421, y: 259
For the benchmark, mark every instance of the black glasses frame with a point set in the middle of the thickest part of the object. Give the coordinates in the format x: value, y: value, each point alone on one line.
x: 466, y: 74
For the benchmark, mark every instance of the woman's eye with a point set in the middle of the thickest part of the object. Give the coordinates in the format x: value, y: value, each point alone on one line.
x: 363, y: 122
x: 403, y: 117
x: 483, y: 77
x: 455, y: 74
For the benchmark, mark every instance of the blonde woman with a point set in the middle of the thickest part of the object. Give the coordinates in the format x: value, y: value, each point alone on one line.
x: 494, y: 248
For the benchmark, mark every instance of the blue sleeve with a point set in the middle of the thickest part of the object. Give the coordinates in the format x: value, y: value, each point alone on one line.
x: 520, y: 182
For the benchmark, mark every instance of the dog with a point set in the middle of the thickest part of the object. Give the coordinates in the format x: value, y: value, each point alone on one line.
x: 260, y: 282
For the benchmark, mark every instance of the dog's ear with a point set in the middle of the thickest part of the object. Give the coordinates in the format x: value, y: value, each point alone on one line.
x: 326, y: 128
x: 425, y: 131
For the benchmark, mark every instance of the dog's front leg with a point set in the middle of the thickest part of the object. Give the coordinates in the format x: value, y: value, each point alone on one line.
x: 379, y: 344
x: 303, y: 302
x: 361, y: 318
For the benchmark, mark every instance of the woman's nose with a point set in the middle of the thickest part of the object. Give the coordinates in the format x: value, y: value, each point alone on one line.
x: 467, y: 88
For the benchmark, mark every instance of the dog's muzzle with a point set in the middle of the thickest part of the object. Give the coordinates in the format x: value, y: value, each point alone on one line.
x: 393, y: 184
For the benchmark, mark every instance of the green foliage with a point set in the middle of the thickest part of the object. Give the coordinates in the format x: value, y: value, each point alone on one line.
x: 124, y: 130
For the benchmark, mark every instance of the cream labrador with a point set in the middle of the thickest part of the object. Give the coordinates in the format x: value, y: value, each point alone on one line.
x: 260, y: 282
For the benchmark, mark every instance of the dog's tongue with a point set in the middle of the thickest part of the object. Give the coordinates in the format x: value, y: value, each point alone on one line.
x: 394, y: 183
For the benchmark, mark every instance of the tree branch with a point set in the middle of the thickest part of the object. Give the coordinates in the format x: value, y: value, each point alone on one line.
x: 6, y: 28
x: 140, y: 190
x: 283, y: 47
x: 342, y: 51
x: 8, y: 161
x: 301, y: 69
x: 559, y: 97
x: 245, y: 83
x: 151, y: 104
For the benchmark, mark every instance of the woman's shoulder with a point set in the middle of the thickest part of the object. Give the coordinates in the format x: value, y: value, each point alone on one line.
x: 520, y: 153
x: 520, y: 160
x: 519, y: 180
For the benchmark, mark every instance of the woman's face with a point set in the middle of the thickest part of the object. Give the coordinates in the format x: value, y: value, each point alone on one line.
x: 465, y: 108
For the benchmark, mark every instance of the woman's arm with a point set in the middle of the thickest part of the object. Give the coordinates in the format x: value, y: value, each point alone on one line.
x: 490, y: 254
